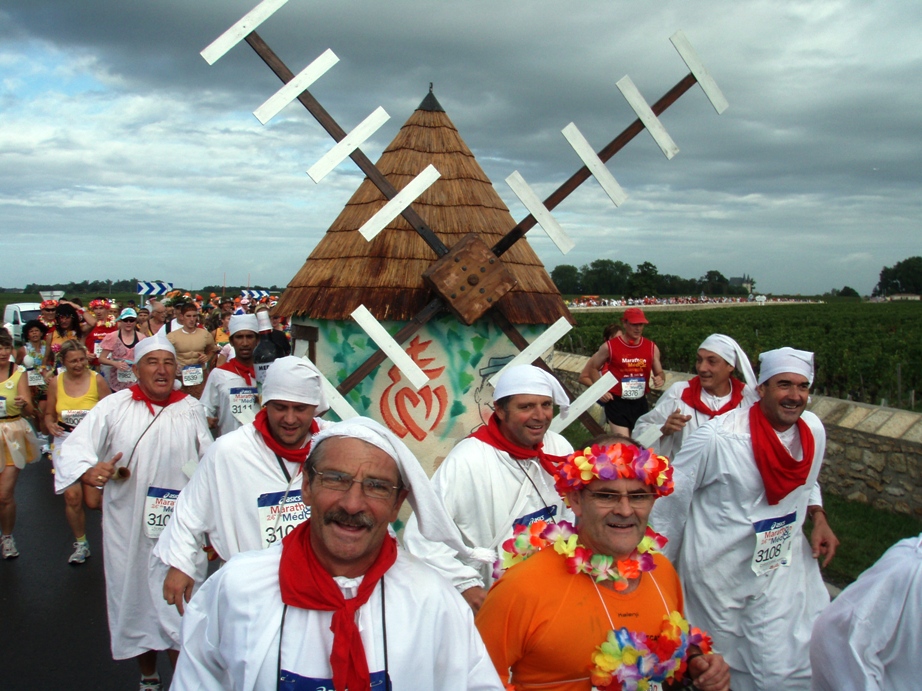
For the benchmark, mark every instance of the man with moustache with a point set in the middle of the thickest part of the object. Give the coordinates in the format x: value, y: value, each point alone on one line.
x: 746, y: 482
x: 714, y: 391
x: 497, y: 478
x: 246, y: 492
x: 141, y: 444
x: 337, y: 605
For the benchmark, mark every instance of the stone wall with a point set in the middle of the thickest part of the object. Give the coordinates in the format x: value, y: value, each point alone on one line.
x: 873, y: 454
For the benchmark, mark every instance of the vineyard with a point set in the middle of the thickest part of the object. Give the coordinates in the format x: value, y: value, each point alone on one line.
x: 866, y: 352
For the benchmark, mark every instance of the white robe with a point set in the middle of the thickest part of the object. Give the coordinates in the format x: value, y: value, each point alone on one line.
x: 671, y: 400
x: 138, y: 621
x: 870, y: 637
x: 216, y: 397
x: 486, y: 492
x: 761, y: 624
x: 231, y: 632
x: 221, y: 501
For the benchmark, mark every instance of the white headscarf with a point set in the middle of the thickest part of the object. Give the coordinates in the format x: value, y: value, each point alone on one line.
x: 434, y: 522
x: 730, y: 351
x: 531, y: 380
x: 296, y: 380
x: 156, y: 342
x: 243, y: 322
x: 784, y: 360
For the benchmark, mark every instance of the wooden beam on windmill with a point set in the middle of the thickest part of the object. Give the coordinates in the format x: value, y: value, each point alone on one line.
x: 470, y: 278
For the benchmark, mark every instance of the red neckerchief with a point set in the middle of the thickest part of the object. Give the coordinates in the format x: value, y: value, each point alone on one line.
x: 261, y: 423
x: 781, y: 473
x: 236, y: 367
x: 139, y: 395
x: 692, y: 397
x: 492, y: 435
x: 307, y: 585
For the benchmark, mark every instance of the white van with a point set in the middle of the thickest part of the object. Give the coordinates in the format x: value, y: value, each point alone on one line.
x: 18, y: 313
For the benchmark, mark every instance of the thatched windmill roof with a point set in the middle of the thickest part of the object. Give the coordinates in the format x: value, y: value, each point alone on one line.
x: 385, y: 275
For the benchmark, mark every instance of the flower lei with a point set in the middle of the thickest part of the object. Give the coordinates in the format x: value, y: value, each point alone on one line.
x: 530, y: 539
x: 631, y: 660
x: 626, y: 660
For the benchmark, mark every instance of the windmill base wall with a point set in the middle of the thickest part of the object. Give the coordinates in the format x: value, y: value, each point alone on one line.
x: 459, y: 360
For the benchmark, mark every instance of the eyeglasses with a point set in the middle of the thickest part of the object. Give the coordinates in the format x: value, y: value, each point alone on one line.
x: 610, y: 500
x: 342, y: 482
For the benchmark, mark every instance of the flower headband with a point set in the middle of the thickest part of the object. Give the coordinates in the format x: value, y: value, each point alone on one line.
x: 99, y: 303
x: 614, y: 462
x: 48, y: 304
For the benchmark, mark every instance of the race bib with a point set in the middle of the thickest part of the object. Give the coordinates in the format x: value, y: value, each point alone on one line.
x: 126, y: 376
x: 289, y: 681
x: 158, y: 509
x: 276, y: 519
x: 35, y: 378
x: 774, y: 540
x: 261, y: 369
x: 545, y: 514
x: 243, y: 404
x: 73, y: 417
x: 97, y: 349
x: 633, y: 388
x: 192, y: 375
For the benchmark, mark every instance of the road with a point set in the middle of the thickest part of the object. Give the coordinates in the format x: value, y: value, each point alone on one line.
x: 53, y: 628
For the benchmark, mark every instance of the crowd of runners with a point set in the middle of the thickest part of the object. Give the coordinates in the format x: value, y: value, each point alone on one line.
x: 681, y: 549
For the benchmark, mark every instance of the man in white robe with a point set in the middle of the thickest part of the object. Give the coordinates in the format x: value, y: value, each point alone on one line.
x: 230, y: 396
x: 337, y: 605
x: 246, y: 492
x: 870, y: 637
x: 141, y: 444
x: 687, y: 405
x: 734, y: 526
x: 494, y: 480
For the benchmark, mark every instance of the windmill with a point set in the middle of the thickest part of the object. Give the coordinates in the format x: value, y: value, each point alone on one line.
x: 468, y: 282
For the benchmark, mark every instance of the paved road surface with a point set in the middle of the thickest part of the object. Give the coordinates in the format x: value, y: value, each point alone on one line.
x: 53, y: 628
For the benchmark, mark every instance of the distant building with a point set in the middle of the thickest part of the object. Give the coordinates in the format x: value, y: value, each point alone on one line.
x: 744, y: 281
x: 904, y: 296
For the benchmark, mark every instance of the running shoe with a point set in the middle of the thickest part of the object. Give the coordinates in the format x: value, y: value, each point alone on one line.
x: 81, y: 552
x: 150, y: 685
x: 8, y: 547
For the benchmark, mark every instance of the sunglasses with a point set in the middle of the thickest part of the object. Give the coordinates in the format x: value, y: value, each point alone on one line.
x: 129, y: 320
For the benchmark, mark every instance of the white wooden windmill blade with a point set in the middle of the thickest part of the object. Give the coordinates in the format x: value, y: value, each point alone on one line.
x: 246, y: 25
x: 584, y: 402
x: 288, y: 93
x: 536, y: 208
x: 554, y: 333
x: 392, y: 348
x: 348, y: 144
x: 647, y: 117
x: 395, y: 206
x: 595, y: 164
x: 697, y: 68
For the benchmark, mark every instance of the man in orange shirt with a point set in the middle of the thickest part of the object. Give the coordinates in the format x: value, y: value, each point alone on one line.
x: 598, y: 606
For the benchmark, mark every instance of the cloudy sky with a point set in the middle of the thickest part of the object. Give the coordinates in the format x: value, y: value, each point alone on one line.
x: 124, y: 154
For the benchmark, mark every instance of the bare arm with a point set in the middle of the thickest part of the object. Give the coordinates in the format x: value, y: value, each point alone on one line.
x: 590, y: 374
x: 658, y: 378
x: 823, y: 541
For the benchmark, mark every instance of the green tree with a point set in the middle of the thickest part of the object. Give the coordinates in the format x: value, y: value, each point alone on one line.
x: 902, y: 277
x: 567, y: 279
x: 644, y: 281
x: 605, y: 277
x: 848, y: 292
x: 714, y: 283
